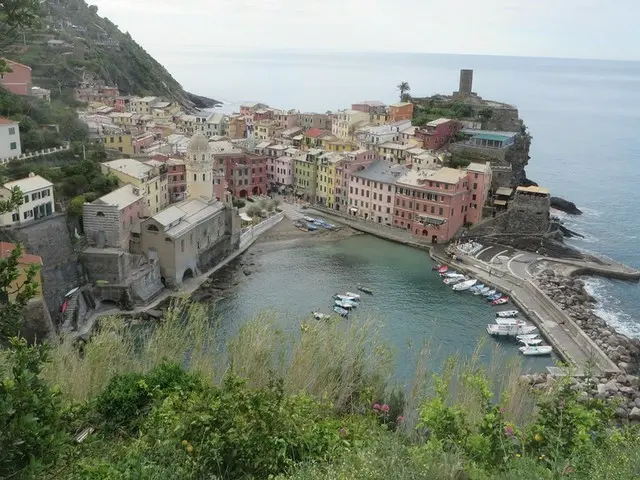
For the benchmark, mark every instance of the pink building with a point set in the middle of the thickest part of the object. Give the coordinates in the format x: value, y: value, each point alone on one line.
x: 372, y: 191
x: 108, y: 221
x: 122, y: 104
x: 436, y: 204
x: 283, y: 170
x: 18, y: 81
x: 220, y: 186
x: 140, y: 142
x: 177, y: 182
x: 286, y: 119
x: 438, y: 133
x: 353, y: 162
x: 245, y: 174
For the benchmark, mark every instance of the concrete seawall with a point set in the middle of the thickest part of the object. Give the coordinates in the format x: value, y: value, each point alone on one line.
x: 569, y: 341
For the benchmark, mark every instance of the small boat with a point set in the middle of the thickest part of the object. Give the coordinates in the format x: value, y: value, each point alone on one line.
x: 320, y: 316
x: 341, y: 311
x: 309, y: 219
x: 530, y: 336
x: 437, y: 266
x: 365, y: 289
x: 348, y: 298
x: 507, y: 313
x: 466, y: 285
x: 489, y: 293
x: 536, y: 350
x: 510, y: 321
x: 354, y: 295
x: 531, y: 341
x: 495, y: 296
x: 454, y: 280
x: 509, y: 330
x: 312, y: 227
x: 482, y: 291
x: 476, y: 287
x: 443, y: 269
x: 346, y: 304
x: 500, y: 301
x: 452, y: 275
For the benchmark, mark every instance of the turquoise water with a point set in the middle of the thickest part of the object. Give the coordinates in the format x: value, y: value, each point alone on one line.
x: 410, y: 301
x: 583, y: 115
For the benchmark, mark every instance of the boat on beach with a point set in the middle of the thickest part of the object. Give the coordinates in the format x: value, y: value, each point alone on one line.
x: 307, y: 218
x: 346, y: 304
x: 312, y: 227
x: 364, y: 289
x: 493, y: 297
x: 437, y: 266
x: 320, y: 316
x: 466, y: 285
x: 507, y: 313
x: 536, y: 349
x: 500, y: 301
x: 509, y: 330
x: 452, y: 275
x: 341, y: 311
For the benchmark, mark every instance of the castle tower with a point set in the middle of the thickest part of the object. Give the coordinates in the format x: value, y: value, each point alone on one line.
x: 466, y: 82
x: 199, y: 165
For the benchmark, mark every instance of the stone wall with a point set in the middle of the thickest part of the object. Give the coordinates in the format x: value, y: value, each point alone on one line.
x: 50, y: 239
x: 209, y: 258
x: 38, y: 324
x: 101, y: 230
x: 528, y: 214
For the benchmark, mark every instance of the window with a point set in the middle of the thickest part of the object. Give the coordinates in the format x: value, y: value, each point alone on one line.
x: 100, y: 214
x: 28, y: 214
x: 26, y: 199
x: 12, y: 130
x: 440, y: 211
x: 203, y: 177
x: 15, y: 217
x: 475, y: 186
x: 35, y: 196
x: 473, y: 197
x: 152, y: 228
x: 46, y: 193
x: 182, y: 245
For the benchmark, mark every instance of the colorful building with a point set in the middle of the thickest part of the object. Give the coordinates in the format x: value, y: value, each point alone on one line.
x: 18, y: 80
x: 352, y: 162
x: 321, y: 121
x: 326, y: 179
x: 177, y: 182
x: 438, y: 133
x: 26, y: 261
x: 123, y: 143
x: 123, y: 103
x: 400, y: 111
x: 394, y: 152
x: 245, y: 174
x: 313, y: 138
x: 10, y: 145
x: 236, y: 127
x: 346, y: 123
x: 306, y: 174
x: 372, y: 191
x: 37, y: 202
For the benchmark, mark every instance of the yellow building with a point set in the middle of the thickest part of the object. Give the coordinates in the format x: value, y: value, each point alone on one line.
x: 338, y: 146
x: 122, y: 143
x: 379, y: 118
x: 265, y: 129
x: 326, y: 183
x: 152, y: 180
x: 346, y: 121
x: 122, y: 119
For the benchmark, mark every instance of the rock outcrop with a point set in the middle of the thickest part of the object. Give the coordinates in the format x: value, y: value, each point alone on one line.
x: 565, y: 206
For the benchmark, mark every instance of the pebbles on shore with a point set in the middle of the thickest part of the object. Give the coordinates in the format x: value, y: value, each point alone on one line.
x: 624, y: 389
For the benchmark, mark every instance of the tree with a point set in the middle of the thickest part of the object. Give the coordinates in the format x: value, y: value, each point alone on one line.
x: 485, y: 114
x: 263, y: 204
x: 271, y: 206
x: 16, y: 15
x: 254, y: 211
x: 404, y: 89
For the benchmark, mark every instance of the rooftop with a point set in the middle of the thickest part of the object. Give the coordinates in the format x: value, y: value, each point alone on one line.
x: 442, y: 175
x: 394, y: 146
x: 29, y: 184
x: 161, y: 104
x: 182, y: 217
x: 382, y: 171
x: 153, y: 163
x: 479, y: 167
x: 26, y: 258
x: 175, y: 161
x: 533, y: 189
x: 472, y: 132
x: 131, y: 167
x: 263, y: 144
x: 314, y: 132
x: 122, y: 197
x: 371, y: 103
x: 504, y: 191
x: 223, y: 146
x: 147, y: 99
x: 492, y: 136
x: 400, y: 104
x: 438, y: 121
x: 6, y: 121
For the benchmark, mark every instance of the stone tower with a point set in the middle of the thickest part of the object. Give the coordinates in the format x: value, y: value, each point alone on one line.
x: 199, y: 165
x: 466, y: 82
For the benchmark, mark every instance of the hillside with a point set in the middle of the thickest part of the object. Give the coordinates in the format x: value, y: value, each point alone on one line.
x: 85, y: 42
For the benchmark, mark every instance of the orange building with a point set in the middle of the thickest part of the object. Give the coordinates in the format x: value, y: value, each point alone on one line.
x: 400, y: 111
x: 26, y: 260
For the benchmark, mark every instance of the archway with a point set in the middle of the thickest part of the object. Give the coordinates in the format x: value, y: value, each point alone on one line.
x: 188, y: 273
x: 243, y: 194
x: 256, y: 191
x: 425, y: 233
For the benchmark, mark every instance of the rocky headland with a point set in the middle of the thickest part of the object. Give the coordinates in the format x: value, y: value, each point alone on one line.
x: 622, y: 389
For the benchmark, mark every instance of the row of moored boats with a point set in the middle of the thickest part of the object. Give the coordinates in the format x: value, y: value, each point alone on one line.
x: 507, y: 323
x: 344, y: 303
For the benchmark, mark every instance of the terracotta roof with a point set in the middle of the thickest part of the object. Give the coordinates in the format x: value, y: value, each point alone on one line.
x: 6, y: 121
x: 25, y: 259
x: 314, y: 132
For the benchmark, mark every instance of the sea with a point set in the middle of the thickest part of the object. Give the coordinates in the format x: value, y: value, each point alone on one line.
x: 584, y: 116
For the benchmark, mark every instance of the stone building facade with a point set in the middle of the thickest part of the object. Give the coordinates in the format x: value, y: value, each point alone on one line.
x: 529, y: 211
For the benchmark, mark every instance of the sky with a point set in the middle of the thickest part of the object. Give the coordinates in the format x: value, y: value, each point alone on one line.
x: 602, y: 29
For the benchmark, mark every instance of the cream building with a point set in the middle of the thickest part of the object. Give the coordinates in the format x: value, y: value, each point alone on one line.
x: 37, y: 200
x: 346, y: 122
x: 199, y: 168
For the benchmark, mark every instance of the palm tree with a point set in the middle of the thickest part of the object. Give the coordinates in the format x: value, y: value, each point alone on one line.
x: 404, y: 89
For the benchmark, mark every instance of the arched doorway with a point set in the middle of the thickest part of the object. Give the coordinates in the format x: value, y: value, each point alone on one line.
x: 188, y: 273
x: 425, y: 233
x: 243, y: 194
x: 256, y: 191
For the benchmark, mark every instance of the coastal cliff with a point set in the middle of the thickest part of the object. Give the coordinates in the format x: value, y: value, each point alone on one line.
x: 72, y: 39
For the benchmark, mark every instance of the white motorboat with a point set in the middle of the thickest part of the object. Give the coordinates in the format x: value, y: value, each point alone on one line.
x: 320, y: 316
x: 482, y: 291
x: 531, y: 336
x: 531, y: 341
x: 466, y: 285
x: 476, y: 287
x: 509, y: 330
x: 510, y: 321
x: 490, y: 293
x: 355, y: 296
x: 507, y: 313
x: 452, y: 274
x: 454, y: 280
x: 309, y: 219
x: 346, y: 304
x: 536, y: 350
x: 348, y: 298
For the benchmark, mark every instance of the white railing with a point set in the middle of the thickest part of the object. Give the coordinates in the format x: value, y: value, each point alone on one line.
x: 39, y: 153
x: 254, y: 231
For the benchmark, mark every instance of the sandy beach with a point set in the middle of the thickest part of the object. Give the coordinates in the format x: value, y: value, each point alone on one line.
x: 285, y: 234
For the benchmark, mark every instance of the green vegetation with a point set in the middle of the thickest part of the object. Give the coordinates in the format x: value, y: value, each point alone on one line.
x: 433, y: 110
x: 165, y: 404
x: 404, y: 89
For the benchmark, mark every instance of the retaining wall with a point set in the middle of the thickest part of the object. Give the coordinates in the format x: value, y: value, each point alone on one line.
x: 253, y: 232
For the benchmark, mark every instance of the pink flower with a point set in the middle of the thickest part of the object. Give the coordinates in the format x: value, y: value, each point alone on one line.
x: 508, y: 430
x: 501, y: 409
x: 376, y: 407
x: 399, y: 419
x: 385, y: 408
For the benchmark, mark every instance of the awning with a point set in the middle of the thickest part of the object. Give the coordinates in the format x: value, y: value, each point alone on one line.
x: 504, y: 191
x: 432, y: 220
x: 501, y: 203
x: 353, y: 210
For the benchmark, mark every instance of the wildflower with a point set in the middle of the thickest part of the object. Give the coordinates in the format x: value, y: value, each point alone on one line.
x: 376, y: 406
x: 385, y: 408
x: 501, y: 409
x: 568, y: 470
x: 508, y: 430
x: 184, y: 443
x: 190, y: 448
x: 399, y: 419
x: 518, y: 455
x: 537, y: 437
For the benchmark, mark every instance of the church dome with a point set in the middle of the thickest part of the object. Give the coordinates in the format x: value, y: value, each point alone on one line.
x: 198, y: 143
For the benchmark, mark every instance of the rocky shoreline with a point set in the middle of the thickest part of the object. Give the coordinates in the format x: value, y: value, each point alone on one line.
x: 622, y: 389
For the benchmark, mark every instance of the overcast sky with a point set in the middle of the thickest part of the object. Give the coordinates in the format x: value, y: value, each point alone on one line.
x: 548, y: 28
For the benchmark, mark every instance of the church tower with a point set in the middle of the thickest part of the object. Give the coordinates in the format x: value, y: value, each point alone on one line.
x: 199, y: 168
